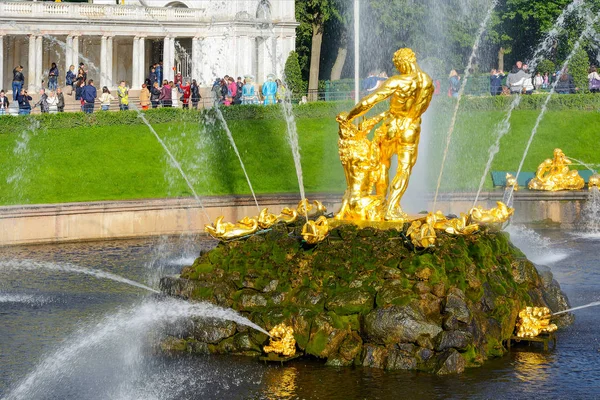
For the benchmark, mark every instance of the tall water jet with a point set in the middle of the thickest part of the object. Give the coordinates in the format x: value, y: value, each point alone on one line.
x: 460, y: 94
x: 588, y: 29
x: 504, y: 127
x: 32, y: 265
x: 237, y: 153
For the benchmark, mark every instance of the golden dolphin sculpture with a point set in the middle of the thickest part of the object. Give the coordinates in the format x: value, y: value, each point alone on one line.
x: 454, y: 226
x: 305, y: 207
x: 266, y: 219
x: 497, y: 215
x: 422, y: 233
x: 227, y: 230
x: 288, y: 215
x: 315, y: 231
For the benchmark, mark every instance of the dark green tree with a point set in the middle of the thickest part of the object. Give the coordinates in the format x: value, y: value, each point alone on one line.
x: 312, y: 16
x: 293, y: 76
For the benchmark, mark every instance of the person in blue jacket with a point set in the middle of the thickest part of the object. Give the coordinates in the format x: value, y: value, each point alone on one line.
x: 269, y: 90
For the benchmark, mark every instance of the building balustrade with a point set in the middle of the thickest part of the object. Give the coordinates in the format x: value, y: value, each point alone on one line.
x: 35, y: 10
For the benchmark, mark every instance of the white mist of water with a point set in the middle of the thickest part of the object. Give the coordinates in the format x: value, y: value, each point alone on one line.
x: 588, y: 30
x: 595, y: 303
x: 32, y: 265
x: 460, y: 94
x: 537, y: 248
x: 24, y: 298
x: 125, y: 329
x: 590, y: 216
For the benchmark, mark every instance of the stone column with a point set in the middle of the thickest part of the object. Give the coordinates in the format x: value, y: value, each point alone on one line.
x: 109, y: 61
x: 75, y: 53
x: 135, y: 69
x: 245, y: 46
x: 2, y: 62
x: 169, y: 58
x: 141, y: 63
x: 103, y: 62
x: 39, y: 68
x: 196, y: 59
x: 31, y: 64
x: 68, y: 53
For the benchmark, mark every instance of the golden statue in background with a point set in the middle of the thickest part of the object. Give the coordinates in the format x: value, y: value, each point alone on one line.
x: 594, y: 181
x: 366, y: 164
x: 554, y: 174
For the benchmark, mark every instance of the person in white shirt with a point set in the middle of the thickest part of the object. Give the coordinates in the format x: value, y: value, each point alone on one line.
x: 105, y: 99
x: 3, y: 103
x: 594, y: 80
x: 52, y: 102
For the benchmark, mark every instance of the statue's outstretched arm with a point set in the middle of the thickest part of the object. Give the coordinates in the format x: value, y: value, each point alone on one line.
x: 385, y: 91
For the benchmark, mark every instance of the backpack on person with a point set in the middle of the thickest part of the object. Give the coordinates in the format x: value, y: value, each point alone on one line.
x: 594, y: 84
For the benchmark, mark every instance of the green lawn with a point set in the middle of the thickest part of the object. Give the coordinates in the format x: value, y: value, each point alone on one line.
x: 126, y: 162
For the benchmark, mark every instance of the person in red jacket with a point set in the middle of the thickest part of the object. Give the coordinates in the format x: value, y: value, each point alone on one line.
x: 187, y: 92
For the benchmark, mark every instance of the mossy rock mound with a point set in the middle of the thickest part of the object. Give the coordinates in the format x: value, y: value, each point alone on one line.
x: 367, y: 297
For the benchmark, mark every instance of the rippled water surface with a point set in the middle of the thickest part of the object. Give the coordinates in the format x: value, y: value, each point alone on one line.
x: 45, y: 314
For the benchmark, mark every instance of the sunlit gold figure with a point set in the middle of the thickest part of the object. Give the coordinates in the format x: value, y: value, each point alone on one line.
x: 227, y: 230
x: 360, y: 158
x: 594, y: 181
x: 511, y: 182
x: 305, y: 207
x: 534, y: 320
x: 266, y: 219
x: 288, y: 215
x: 422, y: 233
x: 454, y: 226
x: 282, y: 341
x: 409, y: 94
x: 497, y: 215
x: 315, y: 231
x: 554, y: 174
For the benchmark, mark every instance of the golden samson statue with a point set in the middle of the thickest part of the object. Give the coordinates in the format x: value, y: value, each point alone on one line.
x: 366, y: 163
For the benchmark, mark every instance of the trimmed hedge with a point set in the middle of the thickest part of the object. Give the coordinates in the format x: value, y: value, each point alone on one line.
x: 10, y: 124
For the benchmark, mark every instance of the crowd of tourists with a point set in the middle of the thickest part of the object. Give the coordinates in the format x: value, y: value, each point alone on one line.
x: 229, y: 91
x: 520, y: 80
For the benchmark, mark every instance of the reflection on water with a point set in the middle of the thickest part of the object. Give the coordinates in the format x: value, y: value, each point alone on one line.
x: 532, y: 367
x: 40, y: 309
x: 281, y: 383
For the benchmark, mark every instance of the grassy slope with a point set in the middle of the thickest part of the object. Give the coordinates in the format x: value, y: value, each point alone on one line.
x: 126, y: 162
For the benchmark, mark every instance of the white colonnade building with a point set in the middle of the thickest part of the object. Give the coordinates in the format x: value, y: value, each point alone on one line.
x: 202, y: 39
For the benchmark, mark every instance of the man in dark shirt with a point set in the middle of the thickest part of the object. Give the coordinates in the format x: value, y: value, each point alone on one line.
x: 88, y: 94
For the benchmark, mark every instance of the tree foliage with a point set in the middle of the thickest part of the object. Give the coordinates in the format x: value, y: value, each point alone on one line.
x: 578, y: 67
x: 293, y: 75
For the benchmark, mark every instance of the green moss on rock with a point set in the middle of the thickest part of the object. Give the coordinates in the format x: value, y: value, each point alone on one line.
x: 366, y: 297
